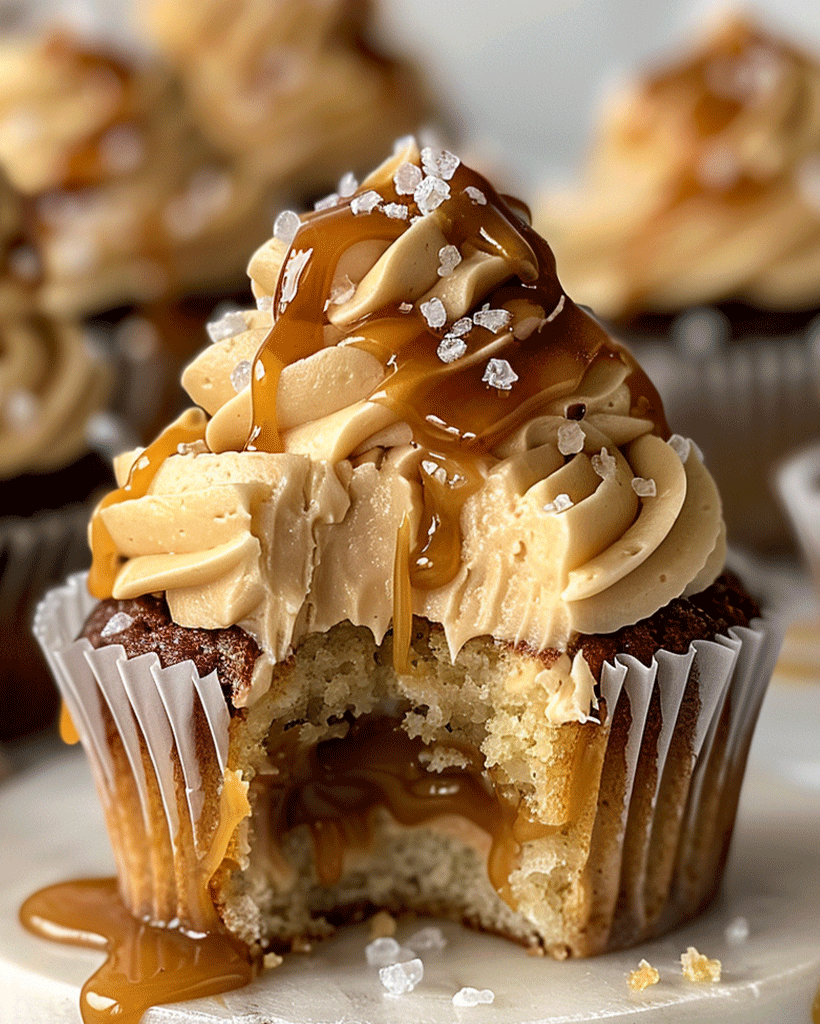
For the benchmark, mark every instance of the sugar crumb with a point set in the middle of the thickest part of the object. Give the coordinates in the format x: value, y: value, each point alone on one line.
x: 469, y: 996
x: 699, y: 968
x: 401, y: 978
x: 644, y: 976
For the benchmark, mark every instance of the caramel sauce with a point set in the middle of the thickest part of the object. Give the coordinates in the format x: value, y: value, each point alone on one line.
x: 332, y: 787
x: 145, y: 965
x: 68, y: 731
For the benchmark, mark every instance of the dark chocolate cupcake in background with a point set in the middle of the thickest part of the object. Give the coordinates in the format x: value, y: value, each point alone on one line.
x: 696, y: 232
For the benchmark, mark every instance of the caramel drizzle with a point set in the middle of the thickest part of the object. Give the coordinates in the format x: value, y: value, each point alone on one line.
x: 456, y: 418
x: 145, y: 965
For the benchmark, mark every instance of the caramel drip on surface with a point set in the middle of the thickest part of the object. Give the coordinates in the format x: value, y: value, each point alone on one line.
x: 457, y: 418
x: 106, y: 561
x: 145, y: 965
x: 68, y: 731
x: 333, y: 786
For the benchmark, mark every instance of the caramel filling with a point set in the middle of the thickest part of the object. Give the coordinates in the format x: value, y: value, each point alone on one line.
x: 145, y: 965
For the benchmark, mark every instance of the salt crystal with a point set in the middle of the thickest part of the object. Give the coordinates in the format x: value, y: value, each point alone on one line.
x: 451, y: 348
x: 327, y: 202
x: 401, y: 978
x: 227, y: 326
x: 644, y: 488
x: 433, y: 469
x: 118, y: 622
x: 449, y: 258
x: 348, y: 185
x: 499, y: 374
x: 405, y: 307
x: 342, y: 291
x: 264, y: 303
x: 20, y: 409
x: 681, y: 446
x: 143, y: 462
x: 427, y: 938
x: 492, y: 319
x: 475, y: 195
x: 434, y: 313
x: 407, y: 179
x: 259, y: 371
x: 430, y: 194
x: 396, y: 211
x: 571, y: 438
x: 241, y: 375
x: 439, y: 162
x: 737, y: 931
x: 286, y: 225
x: 365, y: 203
x: 381, y: 952
x: 560, y: 503
x: 462, y: 327
x: 468, y: 996
x: 290, y: 279
x: 185, y: 448
x: 604, y: 464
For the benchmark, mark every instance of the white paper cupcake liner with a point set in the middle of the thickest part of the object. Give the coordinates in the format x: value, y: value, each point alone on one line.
x: 679, y: 727
x: 747, y: 405
x: 797, y: 480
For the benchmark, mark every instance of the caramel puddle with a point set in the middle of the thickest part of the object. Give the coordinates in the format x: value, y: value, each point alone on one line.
x: 146, y: 965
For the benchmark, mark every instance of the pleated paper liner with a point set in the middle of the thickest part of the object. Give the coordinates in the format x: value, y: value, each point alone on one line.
x: 668, y: 774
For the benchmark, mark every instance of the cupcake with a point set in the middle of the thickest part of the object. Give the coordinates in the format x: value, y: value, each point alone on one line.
x: 697, y: 226
x: 422, y: 608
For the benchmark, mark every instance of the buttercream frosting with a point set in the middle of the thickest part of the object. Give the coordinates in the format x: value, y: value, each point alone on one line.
x: 703, y: 184
x: 416, y: 406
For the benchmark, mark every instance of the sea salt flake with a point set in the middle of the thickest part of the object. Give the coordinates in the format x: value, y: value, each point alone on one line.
x: 264, y: 303
x: 427, y: 938
x: 347, y: 185
x: 439, y: 162
x: 462, y: 327
x: 434, y: 312
x: 475, y: 195
x: 286, y: 225
x: 191, y: 448
x: 560, y: 503
x: 680, y: 445
x: 327, y: 202
x: 644, y: 976
x: 430, y: 194
x: 118, y: 622
x: 401, y: 978
x: 468, y: 996
x: 407, y: 179
x: 644, y: 488
x: 227, y: 326
x: 241, y: 375
x: 143, y: 462
x: 342, y: 291
x: 365, y: 203
x: 296, y: 263
x: 492, y: 319
x: 433, y: 469
x: 499, y: 374
x: 382, y: 951
x: 699, y: 968
x: 604, y: 464
x: 737, y: 932
x: 405, y: 307
x: 449, y: 258
x: 396, y: 211
x: 451, y: 348
x: 20, y: 409
x: 571, y: 438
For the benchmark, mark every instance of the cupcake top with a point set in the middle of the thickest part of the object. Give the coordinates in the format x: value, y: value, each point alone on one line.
x: 293, y: 88
x: 416, y: 420
x: 127, y: 199
x: 703, y: 184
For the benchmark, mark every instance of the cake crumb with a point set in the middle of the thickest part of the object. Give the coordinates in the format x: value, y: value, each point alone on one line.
x: 536, y: 950
x: 382, y: 925
x: 271, y: 960
x: 468, y: 996
x: 699, y: 968
x: 644, y: 976
x: 403, y: 977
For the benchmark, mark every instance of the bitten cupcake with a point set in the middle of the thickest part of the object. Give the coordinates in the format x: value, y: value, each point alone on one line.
x: 423, y: 608
x: 698, y: 222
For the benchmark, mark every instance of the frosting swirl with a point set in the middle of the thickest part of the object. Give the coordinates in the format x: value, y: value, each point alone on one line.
x: 417, y: 419
x: 703, y: 184
x: 126, y: 199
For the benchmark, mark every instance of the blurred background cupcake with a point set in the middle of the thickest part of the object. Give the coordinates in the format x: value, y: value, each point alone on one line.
x: 697, y: 224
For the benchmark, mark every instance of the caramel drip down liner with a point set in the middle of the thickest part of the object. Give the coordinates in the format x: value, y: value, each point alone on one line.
x: 667, y: 766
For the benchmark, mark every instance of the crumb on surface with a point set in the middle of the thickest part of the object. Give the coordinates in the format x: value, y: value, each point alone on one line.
x: 699, y: 968
x: 643, y: 976
x: 272, y: 960
x: 382, y: 925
